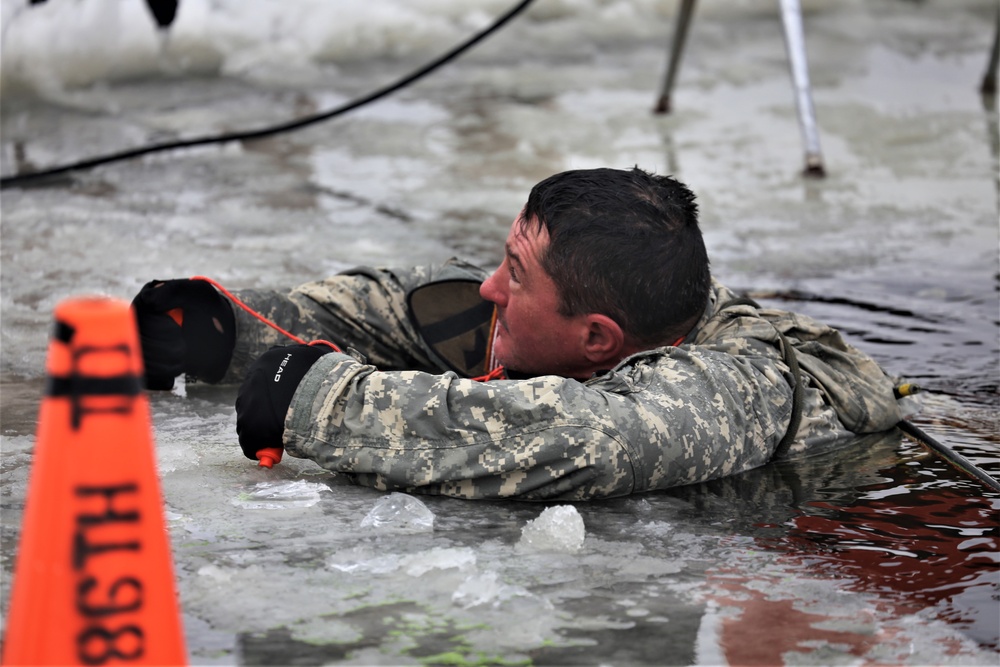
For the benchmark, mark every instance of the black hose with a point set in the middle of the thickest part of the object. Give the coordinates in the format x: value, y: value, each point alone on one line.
x: 274, y: 129
x: 950, y: 455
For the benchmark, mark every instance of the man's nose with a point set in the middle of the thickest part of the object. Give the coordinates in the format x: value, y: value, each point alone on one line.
x: 491, y: 291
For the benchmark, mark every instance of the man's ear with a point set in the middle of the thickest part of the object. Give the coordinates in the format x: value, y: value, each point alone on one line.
x: 605, y: 340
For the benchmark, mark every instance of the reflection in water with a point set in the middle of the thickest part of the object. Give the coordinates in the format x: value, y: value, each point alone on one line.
x: 884, y: 517
x: 916, y: 544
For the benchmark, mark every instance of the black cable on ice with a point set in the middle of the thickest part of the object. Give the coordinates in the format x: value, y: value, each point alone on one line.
x: 296, y: 124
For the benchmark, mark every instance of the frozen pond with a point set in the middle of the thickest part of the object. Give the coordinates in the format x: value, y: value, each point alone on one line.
x: 877, y: 554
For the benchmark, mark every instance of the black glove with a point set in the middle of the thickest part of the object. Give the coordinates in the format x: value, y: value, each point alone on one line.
x: 267, y: 393
x: 201, y: 345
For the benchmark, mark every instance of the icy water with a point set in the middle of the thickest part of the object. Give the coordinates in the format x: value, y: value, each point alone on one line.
x: 880, y: 553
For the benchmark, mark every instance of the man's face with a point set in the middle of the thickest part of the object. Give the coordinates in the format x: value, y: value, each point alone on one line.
x: 531, y: 336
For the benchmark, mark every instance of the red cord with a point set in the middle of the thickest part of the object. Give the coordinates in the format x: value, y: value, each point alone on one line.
x: 260, y: 317
x: 494, y: 374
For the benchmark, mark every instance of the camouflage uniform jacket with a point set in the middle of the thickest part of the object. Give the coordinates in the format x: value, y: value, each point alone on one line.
x: 716, y: 405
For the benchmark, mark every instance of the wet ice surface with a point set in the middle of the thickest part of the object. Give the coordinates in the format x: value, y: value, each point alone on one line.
x: 879, y: 553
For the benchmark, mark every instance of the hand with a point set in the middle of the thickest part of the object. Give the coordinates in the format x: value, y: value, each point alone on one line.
x: 267, y: 393
x: 185, y: 326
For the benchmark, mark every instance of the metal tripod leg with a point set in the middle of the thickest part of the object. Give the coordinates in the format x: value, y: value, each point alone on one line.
x: 791, y: 19
x: 684, y: 15
x: 989, y: 85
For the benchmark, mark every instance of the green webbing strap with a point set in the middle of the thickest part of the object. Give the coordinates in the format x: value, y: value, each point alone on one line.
x: 788, y: 353
x: 788, y: 356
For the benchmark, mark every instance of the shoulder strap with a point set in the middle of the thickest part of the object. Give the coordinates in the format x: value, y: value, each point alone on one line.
x: 788, y: 356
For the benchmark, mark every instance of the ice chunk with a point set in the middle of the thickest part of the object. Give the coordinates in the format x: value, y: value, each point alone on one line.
x: 557, y: 528
x: 364, y: 559
x: 399, y: 513
x: 364, y: 563
x: 281, y: 495
x: 439, y: 558
x: 483, y: 589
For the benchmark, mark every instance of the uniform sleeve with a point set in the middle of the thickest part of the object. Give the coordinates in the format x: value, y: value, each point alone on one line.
x: 653, y: 423
x: 363, y: 309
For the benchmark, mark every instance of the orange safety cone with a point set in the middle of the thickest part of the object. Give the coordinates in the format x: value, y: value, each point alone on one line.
x: 93, y: 581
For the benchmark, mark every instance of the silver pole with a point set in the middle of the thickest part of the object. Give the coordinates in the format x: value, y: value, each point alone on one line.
x: 791, y: 19
x: 684, y: 14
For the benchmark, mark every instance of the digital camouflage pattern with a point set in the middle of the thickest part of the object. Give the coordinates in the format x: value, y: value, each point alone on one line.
x: 716, y: 405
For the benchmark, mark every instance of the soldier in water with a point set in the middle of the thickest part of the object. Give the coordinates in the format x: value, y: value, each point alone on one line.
x: 600, y: 359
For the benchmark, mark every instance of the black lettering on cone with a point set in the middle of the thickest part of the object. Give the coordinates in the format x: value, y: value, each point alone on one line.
x: 103, y: 640
x: 125, y: 643
x: 82, y: 548
x: 78, y: 386
x: 113, y: 605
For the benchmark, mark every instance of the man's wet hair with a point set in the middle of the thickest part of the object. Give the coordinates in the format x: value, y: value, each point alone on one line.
x: 625, y: 244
